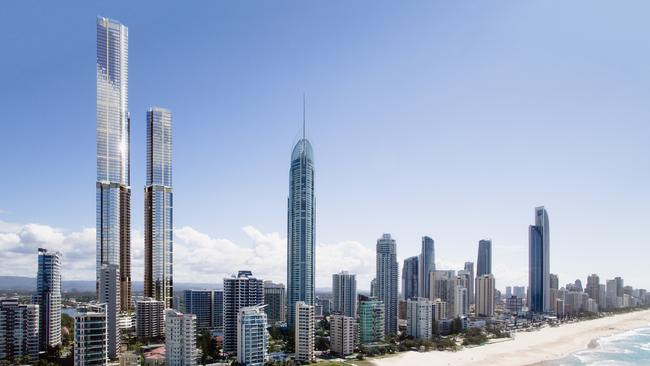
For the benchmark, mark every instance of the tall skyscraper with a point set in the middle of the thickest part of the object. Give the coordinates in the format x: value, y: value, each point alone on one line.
x: 484, y: 260
x: 238, y: 292
x: 300, y: 226
x: 539, y: 268
x: 593, y: 288
x: 410, y: 275
x: 427, y: 264
x: 113, y: 185
x: 304, y: 332
x: 387, y: 281
x: 48, y: 298
x: 158, y: 207
x: 252, y: 336
x: 91, y: 336
x: 275, y: 298
x: 18, y: 331
x: 180, y: 339
x: 344, y: 293
x: 469, y: 268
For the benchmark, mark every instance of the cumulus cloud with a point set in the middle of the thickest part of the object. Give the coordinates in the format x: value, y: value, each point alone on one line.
x: 198, y: 257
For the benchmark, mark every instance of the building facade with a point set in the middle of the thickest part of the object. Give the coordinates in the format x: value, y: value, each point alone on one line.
x: 484, y: 260
x: 371, y: 322
x: 387, y: 281
x: 410, y: 276
x: 300, y: 227
x: 469, y: 268
x: 48, y: 298
x: 427, y: 264
x: 419, y: 318
x: 158, y: 208
x: 304, y: 332
x: 180, y: 339
x: 539, y: 266
x: 19, y: 333
x: 344, y: 294
x: 342, y: 334
x: 207, y: 305
x: 238, y: 292
x: 113, y: 186
x: 252, y: 336
x: 485, y: 296
x: 275, y: 299
x: 149, y: 315
x: 91, y: 336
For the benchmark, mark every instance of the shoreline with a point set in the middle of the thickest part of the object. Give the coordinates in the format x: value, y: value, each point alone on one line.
x: 528, y: 348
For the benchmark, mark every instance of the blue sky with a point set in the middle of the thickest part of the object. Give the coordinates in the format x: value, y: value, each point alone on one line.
x: 447, y: 119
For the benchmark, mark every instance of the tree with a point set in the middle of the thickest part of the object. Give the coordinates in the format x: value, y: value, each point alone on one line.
x: 322, y: 344
x: 208, y: 346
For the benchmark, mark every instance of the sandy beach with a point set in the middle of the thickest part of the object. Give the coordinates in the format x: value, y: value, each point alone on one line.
x: 527, y: 348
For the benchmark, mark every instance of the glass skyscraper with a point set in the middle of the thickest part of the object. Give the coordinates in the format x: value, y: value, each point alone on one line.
x: 387, y: 278
x: 484, y: 260
x: 113, y: 156
x: 158, y: 206
x: 344, y: 293
x: 427, y: 264
x: 538, y: 260
x: 410, y: 278
x: 48, y: 298
x: 300, y: 228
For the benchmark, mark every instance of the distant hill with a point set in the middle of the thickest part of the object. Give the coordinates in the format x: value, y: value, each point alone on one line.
x: 26, y: 284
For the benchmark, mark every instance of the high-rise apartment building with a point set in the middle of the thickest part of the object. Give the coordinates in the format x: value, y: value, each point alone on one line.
x: 275, y: 299
x: 48, y: 298
x: 91, y: 336
x: 180, y: 339
x: 304, y: 332
x: 344, y: 294
x: 387, y: 281
x: 149, y: 315
x: 19, y: 336
x: 109, y: 295
x: 158, y: 208
x: 300, y: 227
x: 554, y: 281
x: 252, y: 336
x: 238, y: 292
x: 371, y: 321
x: 207, y: 305
x: 410, y: 277
x: 342, y: 334
x: 484, y: 260
x: 419, y: 318
x: 593, y: 287
x: 539, y: 267
x: 469, y: 268
x: 485, y: 296
x: 427, y: 264
x: 113, y: 186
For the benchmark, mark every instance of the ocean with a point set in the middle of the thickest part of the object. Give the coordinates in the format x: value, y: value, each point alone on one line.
x: 628, y: 348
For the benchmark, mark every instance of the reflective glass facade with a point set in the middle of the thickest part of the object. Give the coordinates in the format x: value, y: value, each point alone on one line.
x: 484, y: 260
x: 387, y: 277
x: 158, y: 271
x: 427, y: 265
x: 48, y: 298
x: 410, y: 278
x: 113, y: 198
x: 300, y: 228
x: 538, y: 259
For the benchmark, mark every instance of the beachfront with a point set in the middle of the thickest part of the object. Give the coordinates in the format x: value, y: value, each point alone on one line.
x: 527, y: 348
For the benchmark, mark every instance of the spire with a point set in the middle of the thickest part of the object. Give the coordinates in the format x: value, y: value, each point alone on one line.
x: 303, y: 115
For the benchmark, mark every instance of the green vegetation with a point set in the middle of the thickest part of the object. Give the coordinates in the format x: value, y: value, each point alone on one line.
x: 474, y: 336
x: 208, y: 346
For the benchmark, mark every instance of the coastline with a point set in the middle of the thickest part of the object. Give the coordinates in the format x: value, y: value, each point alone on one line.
x: 528, y: 348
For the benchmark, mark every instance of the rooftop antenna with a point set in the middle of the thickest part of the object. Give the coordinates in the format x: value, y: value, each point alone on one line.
x: 303, y: 115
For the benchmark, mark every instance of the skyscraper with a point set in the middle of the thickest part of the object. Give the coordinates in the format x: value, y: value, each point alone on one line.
x: 387, y: 281
x: 469, y: 268
x: 485, y: 296
x: 342, y: 334
x: 484, y: 261
x: 300, y: 227
x: 419, y: 318
x: 238, y: 292
x: 371, y: 321
x: 158, y: 206
x: 252, y: 336
x: 180, y: 339
x: 539, y: 281
x: 427, y: 264
x: 90, y: 336
x: 410, y: 274
x: 593, y: 288
x: 344, y: 293
x: 48, y: 298
x: 109, y: 295
x: 554, y: 281
x: 113, y: 185
x: 18, y: 331
x: 304, y: 332
x: 207, y: 305
x: 275, y: 298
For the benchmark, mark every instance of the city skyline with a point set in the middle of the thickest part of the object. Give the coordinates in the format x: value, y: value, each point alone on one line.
x: 261, y: 235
